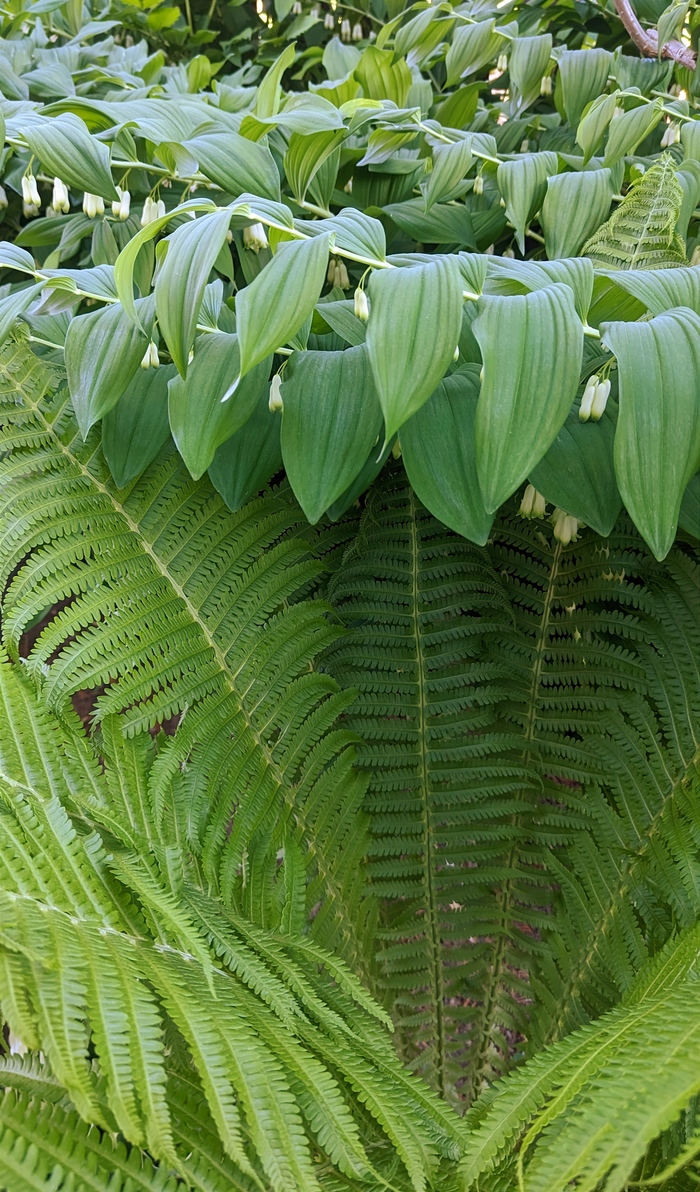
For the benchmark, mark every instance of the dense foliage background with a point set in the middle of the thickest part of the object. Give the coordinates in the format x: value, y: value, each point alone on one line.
x: 349, y: 514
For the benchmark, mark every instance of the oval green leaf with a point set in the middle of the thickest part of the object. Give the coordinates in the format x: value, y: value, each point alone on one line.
x: 330, y: 422
x: 531, y: 348
x: 414, y: 327
x: 657, y: 444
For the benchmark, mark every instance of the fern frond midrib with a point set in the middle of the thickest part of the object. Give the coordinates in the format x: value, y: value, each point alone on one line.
x: 428, y: 841
x: 528, y: 759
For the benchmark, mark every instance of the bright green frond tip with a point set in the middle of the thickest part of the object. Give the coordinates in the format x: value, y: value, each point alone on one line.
x: 641, y: 233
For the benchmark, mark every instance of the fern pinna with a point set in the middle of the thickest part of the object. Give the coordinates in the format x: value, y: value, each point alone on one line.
x: 530, y: 716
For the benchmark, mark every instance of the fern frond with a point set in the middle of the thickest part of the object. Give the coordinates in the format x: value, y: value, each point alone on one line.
x: 590, y: 1104
x: 631, y: 874
x: 641, y: 232
x: 284, y: 1054
x: 494, y: 687
x: 44, y: 1146
x: 174, y: 606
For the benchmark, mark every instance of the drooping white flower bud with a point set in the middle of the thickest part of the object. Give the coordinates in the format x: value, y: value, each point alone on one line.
x: 149, y: 212
x: 150, y: 356
x: 671, y: 136
x: 502, y: 63
x: 30, y: 210
x: 297, y: 8
x: 357, y: 33
x: 329, y: 21
x: 30, y: 191
x: 50, y: 213
x: 160, y: 209
x: 525, y: 146
x: 123, y: 206
x: 600, y: 400
x: 479, y: 184
x: 345, y: 30
x: 509, y: 253
x: 566, y: 527
x: 361, y: 305
x: 275, y: 402
x: 254, y: 237
x: 695, y: 259
x: 3, y: 197
x: 60, y: 200
x: 341, y: 276
x: 93, y: 205
x: 455, y: 354
x: 546, y: 85
x: 396, y: 450
x: 17, y: 1047
x: 533, y: 503
x: 587, y: 399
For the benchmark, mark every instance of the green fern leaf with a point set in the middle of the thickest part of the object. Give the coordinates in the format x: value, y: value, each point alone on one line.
x: 495, y: 691
x: 112, y: 968
x: 44, y: 1146
x: 641, y: 232
x: 174, y: 606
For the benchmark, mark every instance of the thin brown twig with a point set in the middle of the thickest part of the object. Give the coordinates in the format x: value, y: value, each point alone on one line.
x: 646, y: 40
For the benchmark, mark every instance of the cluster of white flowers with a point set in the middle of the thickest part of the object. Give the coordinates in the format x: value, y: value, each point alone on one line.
x: 152, y: 210
x: 254, y: 237
x: 361, y: 305
x: 60, y: 199
x: 150, y: 356
x: 533, y: 503
x: 338, y: 274
x: 594, y: 400
x: 31, y: 199
x: 671, y: 136
x: 122, y: 207
x: 566, y: 527
x: 93, y: 205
